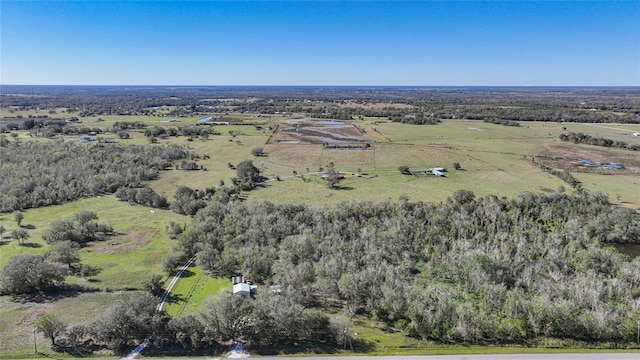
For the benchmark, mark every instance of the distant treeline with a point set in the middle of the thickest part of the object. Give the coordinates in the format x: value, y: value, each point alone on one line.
x: 582, y: 138
x: 593, y: 105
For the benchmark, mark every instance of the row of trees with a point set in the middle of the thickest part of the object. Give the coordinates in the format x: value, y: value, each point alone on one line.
x: 502, y: 122
x: 190, y: 131
x: 264, y: 320
x: 582, y: 138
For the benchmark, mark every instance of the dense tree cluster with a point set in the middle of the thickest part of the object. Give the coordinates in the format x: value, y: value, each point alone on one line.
x: 468, y: 270
x: 247, y: 175
x: 36, y: 174
x: 29, y: 274
x: 144, y: 195
x: 80, y: 229
x: 582, y: 138
x: 266, y: 320
x: 126, y: 125
x: 132, y: 319
x: 190, y: 131
x: 188, y: 201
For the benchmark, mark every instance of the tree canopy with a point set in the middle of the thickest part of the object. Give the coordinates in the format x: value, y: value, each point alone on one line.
x: 28, y: 274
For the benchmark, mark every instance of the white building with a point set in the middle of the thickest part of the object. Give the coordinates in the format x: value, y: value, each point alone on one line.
x: 242, y: 289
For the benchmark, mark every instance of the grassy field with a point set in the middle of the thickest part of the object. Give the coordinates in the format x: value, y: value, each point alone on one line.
x: 193, y: 287
x: 120, y: 262
x: 495, y: 159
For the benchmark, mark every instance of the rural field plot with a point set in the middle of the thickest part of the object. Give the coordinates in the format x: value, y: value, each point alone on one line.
x: 592, y: 159
x: 220, y: 151
x: 495, y: 159
x: 140, y: 248
x: 317, y: 132
x: 293, y: 156
x: 191, y: 290
x: 16, y: 327
x: 305, y: 143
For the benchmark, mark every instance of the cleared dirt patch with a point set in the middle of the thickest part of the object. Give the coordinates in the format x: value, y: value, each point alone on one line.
x: 307, y: 131
x: 130, y: 240
x: 566, y: 156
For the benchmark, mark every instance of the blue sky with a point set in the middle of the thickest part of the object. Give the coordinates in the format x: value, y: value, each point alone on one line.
x: 437, y: 43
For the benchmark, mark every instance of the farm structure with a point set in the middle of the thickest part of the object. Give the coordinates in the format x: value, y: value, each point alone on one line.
x: 242, y: 287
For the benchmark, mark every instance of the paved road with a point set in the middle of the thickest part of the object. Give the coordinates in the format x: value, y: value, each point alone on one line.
x: 591, y: 356
x: 588, y: 356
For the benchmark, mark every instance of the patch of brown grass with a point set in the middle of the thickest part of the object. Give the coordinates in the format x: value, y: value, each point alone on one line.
x: 566, y: 156
x: 130, y: 240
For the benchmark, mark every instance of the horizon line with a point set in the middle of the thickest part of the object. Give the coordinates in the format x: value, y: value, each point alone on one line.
x: 331, y: 85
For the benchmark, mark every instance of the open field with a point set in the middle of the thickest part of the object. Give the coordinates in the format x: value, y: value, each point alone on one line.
x: 492, y: 158
x: 495, y: 160
x: 193, y: 287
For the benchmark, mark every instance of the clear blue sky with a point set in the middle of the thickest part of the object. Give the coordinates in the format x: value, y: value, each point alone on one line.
x: 549, y: 43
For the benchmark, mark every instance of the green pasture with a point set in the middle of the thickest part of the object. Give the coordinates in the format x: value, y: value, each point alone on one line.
x: 495, y: 159
x: 381, y: 185
x: 221, y: 150
x: 193, y: 287
x: 622, y: 132
x: 140, y: 241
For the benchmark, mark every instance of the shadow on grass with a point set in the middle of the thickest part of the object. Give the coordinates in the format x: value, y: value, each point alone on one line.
x: 338, y: 187
x: 359, y: 347
x: 31, y: 245
x: 185, y: 274
x: 178, y: 351
x: 76, y: 352
x: 174, y: 299
x: 53, y: 294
